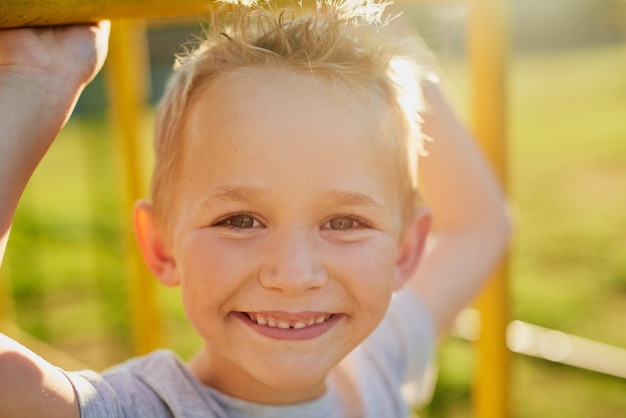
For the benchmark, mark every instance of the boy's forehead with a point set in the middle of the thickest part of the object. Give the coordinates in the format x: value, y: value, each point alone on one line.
x: 290, y: 107
x: 239, y: 95
x: 291, y: 102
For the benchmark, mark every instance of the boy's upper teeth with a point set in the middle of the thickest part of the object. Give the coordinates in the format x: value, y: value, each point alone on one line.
x: 285, y: 324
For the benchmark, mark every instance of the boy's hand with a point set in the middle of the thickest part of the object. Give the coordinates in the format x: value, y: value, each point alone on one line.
x: 42, y: 72
x: 69, y: 54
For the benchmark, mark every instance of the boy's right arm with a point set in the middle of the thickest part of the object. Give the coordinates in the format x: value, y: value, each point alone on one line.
x: 42, y: 72
x: 470, y: 217
x: 31, y: 387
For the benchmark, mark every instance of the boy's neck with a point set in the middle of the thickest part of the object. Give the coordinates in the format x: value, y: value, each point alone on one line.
x: 219, y: 373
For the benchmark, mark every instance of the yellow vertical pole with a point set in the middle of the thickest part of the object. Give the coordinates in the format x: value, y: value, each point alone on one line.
x: 488, y: 44
x: 127, y: 71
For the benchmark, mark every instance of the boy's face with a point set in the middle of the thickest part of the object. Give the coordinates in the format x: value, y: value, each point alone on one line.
x: 286, y: 231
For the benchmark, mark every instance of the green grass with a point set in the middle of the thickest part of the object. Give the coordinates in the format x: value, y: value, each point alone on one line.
x: 568, y: 151
x: 567, y: 182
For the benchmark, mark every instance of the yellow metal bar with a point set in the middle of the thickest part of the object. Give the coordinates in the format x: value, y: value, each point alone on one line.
x: 127, y: 71
x: 487, y: 44
x: 15, y: 13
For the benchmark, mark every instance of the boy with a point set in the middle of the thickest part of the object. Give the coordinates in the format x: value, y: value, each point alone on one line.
x: 284, y: 204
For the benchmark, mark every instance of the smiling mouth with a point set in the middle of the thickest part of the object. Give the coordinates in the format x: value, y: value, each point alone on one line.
x: 273, y: 322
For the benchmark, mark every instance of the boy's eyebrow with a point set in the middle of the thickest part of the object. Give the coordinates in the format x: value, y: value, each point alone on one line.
x: 247, y: 194
x: 234, y: 193
x: 346, y: 198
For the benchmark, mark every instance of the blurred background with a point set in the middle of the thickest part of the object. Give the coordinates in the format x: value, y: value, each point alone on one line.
x: 566, y: 169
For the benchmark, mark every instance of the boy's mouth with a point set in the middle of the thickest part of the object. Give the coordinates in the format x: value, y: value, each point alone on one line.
x: 288, y: 326
x: 275, y: 322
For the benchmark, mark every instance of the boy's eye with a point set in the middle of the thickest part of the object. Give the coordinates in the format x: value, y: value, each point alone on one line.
x: 240, y: 221
x: 343, y: 222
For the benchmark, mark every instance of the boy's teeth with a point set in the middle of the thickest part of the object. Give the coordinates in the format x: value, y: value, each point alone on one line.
x: 273, y: 322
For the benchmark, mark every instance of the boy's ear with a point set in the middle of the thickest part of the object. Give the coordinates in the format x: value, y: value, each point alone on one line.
x: 153, y: 246
x: 411, y: 246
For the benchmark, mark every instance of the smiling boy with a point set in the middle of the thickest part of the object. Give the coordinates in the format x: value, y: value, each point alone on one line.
x: 285, y: 206
x: 288, y: 240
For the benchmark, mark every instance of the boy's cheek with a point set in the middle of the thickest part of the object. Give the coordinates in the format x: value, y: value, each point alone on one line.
x: 369, y: 274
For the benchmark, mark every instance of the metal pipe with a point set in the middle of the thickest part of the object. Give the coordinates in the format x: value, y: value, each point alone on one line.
x: 16, y: 13
x: 487, y: 47
x: 127, y: 71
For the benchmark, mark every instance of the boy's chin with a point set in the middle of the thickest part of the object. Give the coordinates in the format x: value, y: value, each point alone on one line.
x: 294, y: 388
x: 287, y: 383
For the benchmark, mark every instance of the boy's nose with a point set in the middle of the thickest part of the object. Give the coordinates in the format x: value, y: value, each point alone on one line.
x: 292, y: 265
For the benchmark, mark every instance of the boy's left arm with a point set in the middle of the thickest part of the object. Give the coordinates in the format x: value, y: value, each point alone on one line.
x: 42, y: 72
x: 470, y: 221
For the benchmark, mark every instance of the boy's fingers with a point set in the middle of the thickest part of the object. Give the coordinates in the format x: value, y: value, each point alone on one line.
x: 103, y: 30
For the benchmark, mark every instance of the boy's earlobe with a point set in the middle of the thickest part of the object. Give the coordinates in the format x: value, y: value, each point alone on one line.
x: 153, y: 246
x: 411, y: 246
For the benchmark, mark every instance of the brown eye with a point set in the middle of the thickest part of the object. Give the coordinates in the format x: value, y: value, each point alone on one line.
x: 342, y: 223
x: 241, y: 221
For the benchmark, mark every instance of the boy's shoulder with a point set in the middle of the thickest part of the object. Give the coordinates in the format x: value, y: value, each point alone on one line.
x: 156, y: 385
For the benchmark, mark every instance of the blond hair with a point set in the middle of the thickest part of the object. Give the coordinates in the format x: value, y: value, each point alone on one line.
x: 347, y: 42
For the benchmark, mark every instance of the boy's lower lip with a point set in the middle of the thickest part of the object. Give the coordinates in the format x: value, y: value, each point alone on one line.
x: 291, y: 334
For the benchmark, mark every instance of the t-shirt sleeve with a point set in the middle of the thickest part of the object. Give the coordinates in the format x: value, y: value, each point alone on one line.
x: 120, y: 395
x: 402, y: 346
x: 416, y: 329
x: 96, y: 398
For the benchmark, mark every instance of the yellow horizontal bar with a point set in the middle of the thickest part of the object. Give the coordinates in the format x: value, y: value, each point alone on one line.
x: 16, y: 13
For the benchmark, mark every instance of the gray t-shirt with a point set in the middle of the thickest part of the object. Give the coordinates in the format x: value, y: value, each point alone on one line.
x: 373, y: 381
